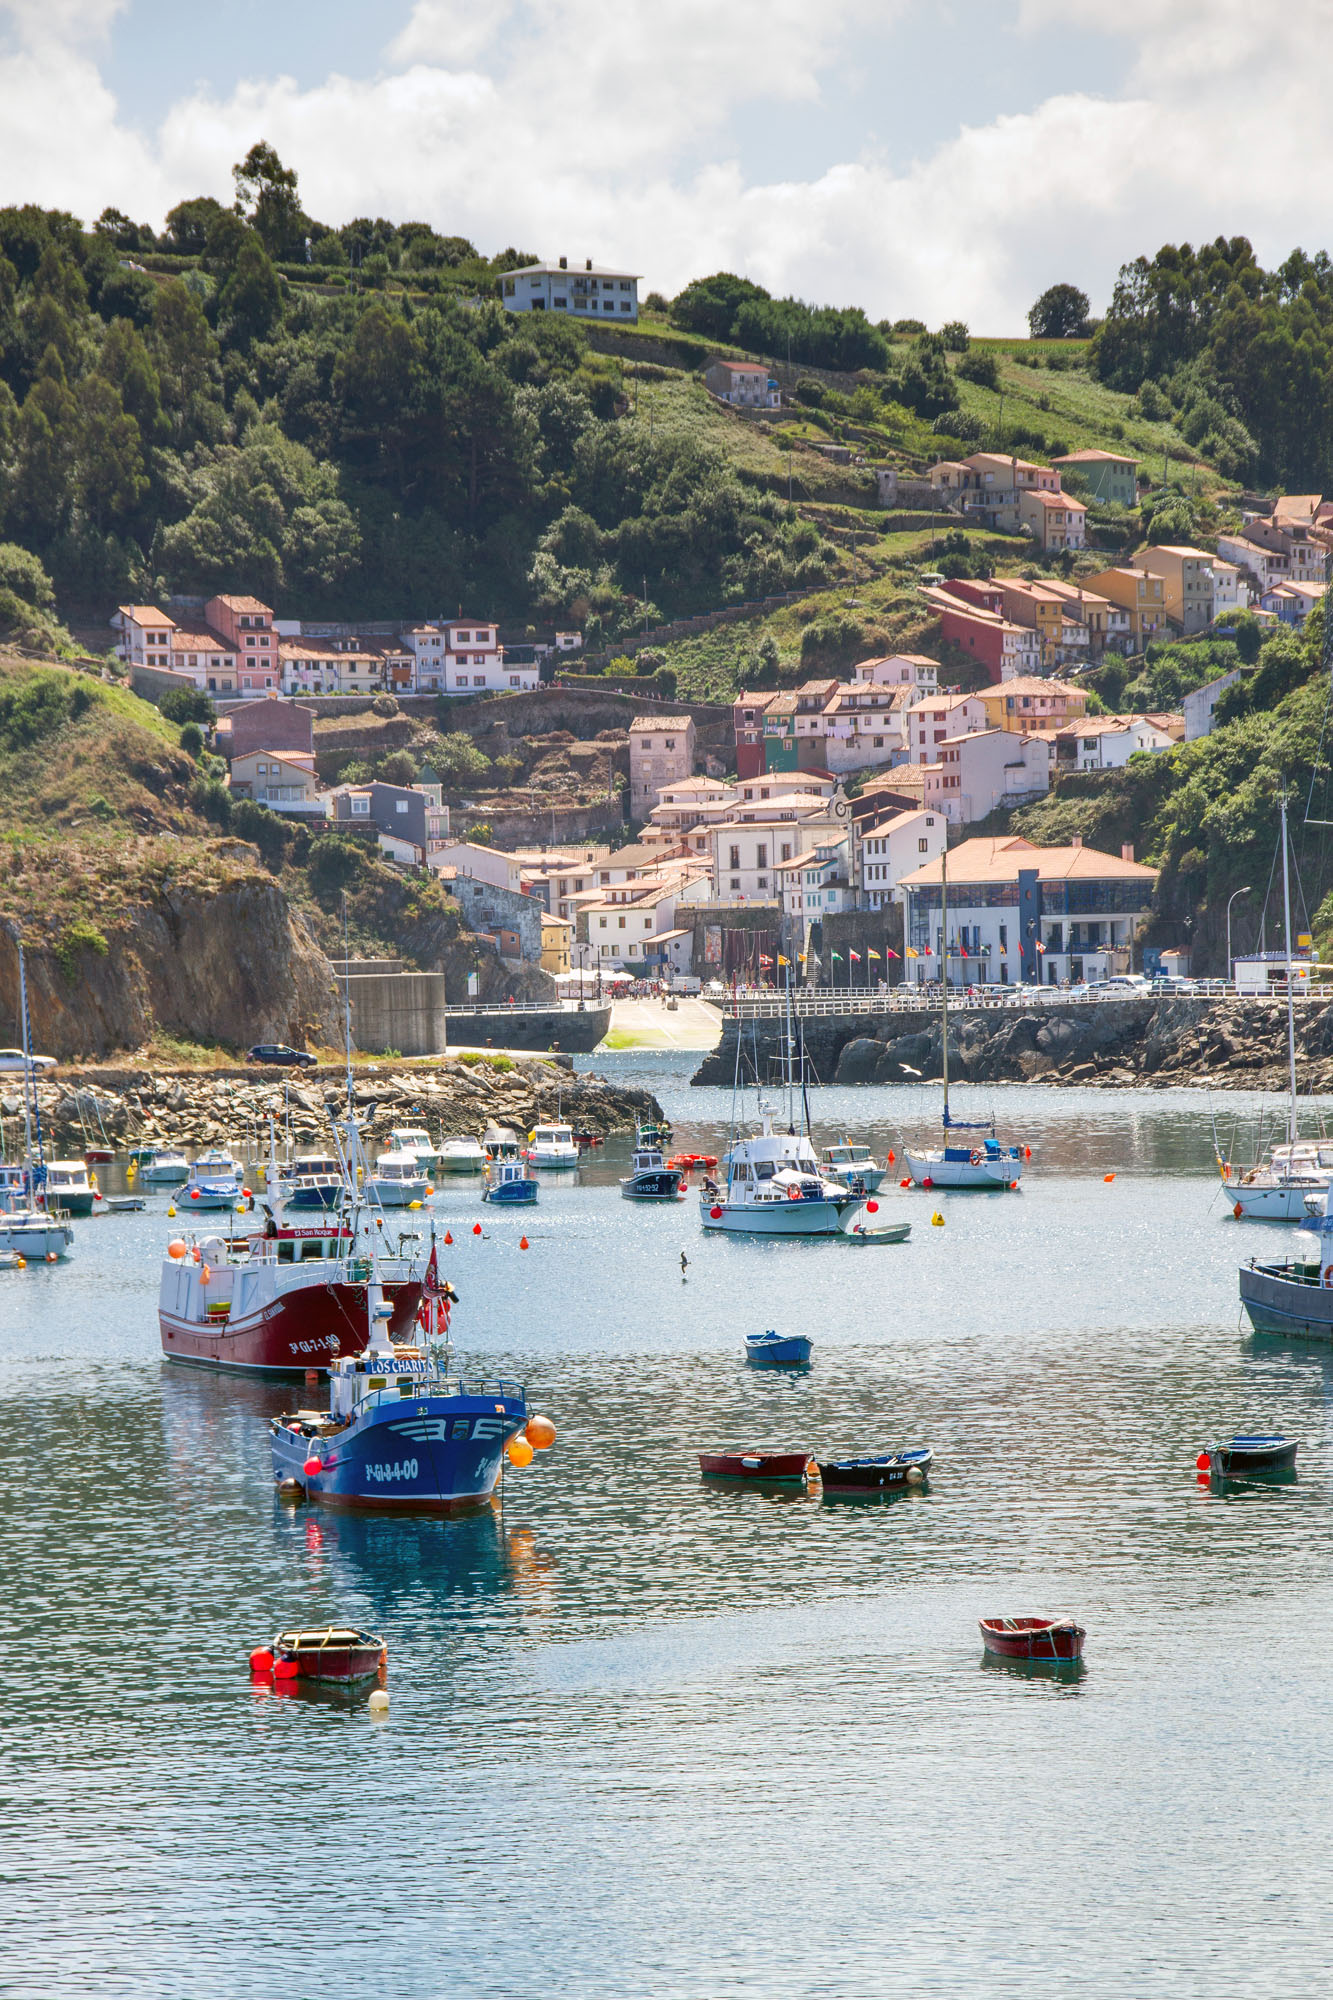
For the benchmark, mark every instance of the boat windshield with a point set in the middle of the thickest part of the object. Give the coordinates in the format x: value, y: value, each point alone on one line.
x: 409, y: 1136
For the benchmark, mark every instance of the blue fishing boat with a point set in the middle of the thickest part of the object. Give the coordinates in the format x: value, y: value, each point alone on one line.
x: 506, y: 1181
x: 774, y: 1350
x: 1240, y: 1457
x: 402, y: 1434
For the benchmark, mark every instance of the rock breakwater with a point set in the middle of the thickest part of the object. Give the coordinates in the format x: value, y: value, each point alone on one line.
x: 1227, y: 1044
x: 454, y: 1098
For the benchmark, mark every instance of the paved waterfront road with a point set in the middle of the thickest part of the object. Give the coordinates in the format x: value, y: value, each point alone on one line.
x: 648, y: 1024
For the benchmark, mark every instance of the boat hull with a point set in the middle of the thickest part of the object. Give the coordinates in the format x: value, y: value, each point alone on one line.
x: 1277, y: 1303
x: 793, y: 1351
x: 76, y: 1201
x: 776, y: 1218
x: 1284, y: 1201
x: 1242, y: 1457
x: 783, y: 1467
x: 343, y: 1660
x: 288, y: 1335
x: 39, y: 1240
x: 397, y: 1194
x: 450, y: 1163
x: 653, y: 1184
x: 932, y: 1170
x: 165, y: 1176
x: 418, y: 1455
x: 876, y: 1475
x: 1033, y: 1638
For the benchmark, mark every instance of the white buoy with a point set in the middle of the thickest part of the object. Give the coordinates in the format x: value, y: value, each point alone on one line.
x: 378, y: 1703
x: 914, y: 1475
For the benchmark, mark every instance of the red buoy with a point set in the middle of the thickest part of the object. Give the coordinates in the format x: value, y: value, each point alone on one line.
x: 476, y: 1229
x: 1203, y: 1462
x: 313, y: 1467
x: 872, y: 1208
x: 522, y: 1242
x: 447, y: 1237
x: 261, y: 1661
x: 194, y: 1194
x: 892, y: 1156
x: 927, y: 1182
x: 905, y: 1183
x: 716, y: 1214
x: 285, y: 1670
x: 1238, y: 1211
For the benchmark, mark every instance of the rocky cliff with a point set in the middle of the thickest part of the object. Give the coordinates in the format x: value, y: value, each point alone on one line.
x: 1235, y: 1044
x: 231, y: 963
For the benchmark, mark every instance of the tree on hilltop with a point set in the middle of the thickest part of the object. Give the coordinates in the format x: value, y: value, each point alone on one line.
x: 1061, y: 313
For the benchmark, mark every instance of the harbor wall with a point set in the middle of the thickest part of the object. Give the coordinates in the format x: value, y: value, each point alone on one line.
x: 1228, y: 1044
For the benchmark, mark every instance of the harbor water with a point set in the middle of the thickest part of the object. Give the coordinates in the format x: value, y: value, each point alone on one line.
x: 652, y: 1737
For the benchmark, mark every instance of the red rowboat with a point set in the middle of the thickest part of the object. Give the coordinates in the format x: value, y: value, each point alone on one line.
x: 337, y: 1654
x: 788, y: 1466
x: 1033, y: 1638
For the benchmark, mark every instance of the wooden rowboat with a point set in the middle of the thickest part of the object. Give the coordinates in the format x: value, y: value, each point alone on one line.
x: 787, y: 1467
x: 892, y: 1473
x: 1033, y: 1638
x: 1245, y: 1455
x: 339, y: 1653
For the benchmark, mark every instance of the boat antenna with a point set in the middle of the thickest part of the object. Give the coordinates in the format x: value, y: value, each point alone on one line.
x: 944, y: 962
x: 1291, y: 1016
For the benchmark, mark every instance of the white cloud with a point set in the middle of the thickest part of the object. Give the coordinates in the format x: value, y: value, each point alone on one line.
x: 564, y: 125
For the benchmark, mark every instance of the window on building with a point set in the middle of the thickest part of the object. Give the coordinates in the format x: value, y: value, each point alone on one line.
x: 601, y: 923
x: 360, y: 808
x: 620, y: 922
x: 735, y: 860
x: 735, y: 882
x: 761, y: 855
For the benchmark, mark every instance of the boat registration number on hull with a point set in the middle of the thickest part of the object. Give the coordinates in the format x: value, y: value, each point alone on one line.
x: 405, y: 1469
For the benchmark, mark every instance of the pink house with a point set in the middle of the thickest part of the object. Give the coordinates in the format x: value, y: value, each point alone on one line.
x: 248, y: 626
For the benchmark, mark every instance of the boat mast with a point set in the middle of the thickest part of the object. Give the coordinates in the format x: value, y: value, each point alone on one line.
x: 944, y: 960
x: 1291, y: 1012
x: 27, y: 1071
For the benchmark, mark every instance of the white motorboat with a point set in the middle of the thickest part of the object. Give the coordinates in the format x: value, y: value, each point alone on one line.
x: 499, y: 1143
x: 855, y: 1166
x: 414, y: 1139
x: 397, y: 1181
x: 311, y: 1180
x: 976, y: 1159
x: 773, y: 1187
x: 163, y: 1166
x: 68, y: 1186
x: 461, y: 1156
x: 552, y: 1146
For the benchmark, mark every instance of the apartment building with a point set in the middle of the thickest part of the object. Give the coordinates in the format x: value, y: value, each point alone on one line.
x: 1187, y: 583
x: 661, y: 753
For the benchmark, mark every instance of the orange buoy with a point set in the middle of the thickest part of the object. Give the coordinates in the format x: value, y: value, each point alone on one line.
x: 518, y: 1451
x: 905, y: 1183
x: 522, y: 1242
x: 447, y: 1237
x: 540, y: 1433
x: 176, y: 1248
x: 1238, y: 1211
x: 1108, y: 1177
x: 892, y: 1156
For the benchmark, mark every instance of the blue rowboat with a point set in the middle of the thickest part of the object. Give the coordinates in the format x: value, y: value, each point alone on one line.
x: 773, y: 1350
x: 506, y: 1182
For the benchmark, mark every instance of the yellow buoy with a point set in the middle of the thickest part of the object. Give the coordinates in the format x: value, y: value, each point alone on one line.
x: 171, y: 1208
x: 937, y: 1220
x: 414, y: 1204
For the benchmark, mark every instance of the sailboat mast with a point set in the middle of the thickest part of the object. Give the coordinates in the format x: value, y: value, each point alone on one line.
x: 944, y: 961
x: 27, y: 1069
x: 1291, y: 1013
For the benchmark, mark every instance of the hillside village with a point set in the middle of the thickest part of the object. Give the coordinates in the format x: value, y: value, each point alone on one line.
x: 809, y: 835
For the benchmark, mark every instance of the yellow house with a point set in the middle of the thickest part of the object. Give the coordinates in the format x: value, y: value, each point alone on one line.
x: 1135, y: 591
x: 556, y: 935
x: 1030, y: 702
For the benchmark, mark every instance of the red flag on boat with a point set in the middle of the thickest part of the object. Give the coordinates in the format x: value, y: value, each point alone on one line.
x: 431, y: 1288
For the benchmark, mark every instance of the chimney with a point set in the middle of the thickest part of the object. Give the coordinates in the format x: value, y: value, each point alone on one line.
x: 564, y: 263
x: 1127, y: 851
x: 1076, y: 840
x: 587, y: 263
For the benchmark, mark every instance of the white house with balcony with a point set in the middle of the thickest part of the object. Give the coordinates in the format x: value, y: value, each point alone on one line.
x: 976, y: 773
x: 463, y: 656
x: 587, y: 291
x: 900, y: 670
x: 746, y: 385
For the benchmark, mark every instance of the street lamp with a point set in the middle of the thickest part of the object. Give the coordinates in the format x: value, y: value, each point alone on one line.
x: 1244, y: 890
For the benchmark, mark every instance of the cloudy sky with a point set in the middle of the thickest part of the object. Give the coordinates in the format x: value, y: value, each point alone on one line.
x: 934, y: 158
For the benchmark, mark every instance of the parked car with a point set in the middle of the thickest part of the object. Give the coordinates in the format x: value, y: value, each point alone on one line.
x: 278, y: 1052
x: 11, y: 1059
x: 1121, y: 985
x: 1172, y: 982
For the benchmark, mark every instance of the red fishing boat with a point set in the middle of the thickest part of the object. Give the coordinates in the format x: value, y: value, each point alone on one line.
x: 1033, y: 1638
x: 787, y: 1467
x: 279, y: 1302
x: 340, y: 1653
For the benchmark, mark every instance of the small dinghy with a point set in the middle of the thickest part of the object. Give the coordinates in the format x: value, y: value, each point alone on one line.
x: 340, y: 1653
x: 125, y: 1204
x: 1033, y: 1638
x: 889, y: 1474
x: 774, y: 1350
x: 786, y: 1467
x: 1245, y: 1455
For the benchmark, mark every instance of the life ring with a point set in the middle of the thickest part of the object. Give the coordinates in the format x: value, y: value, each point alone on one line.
x: 1328, y: 1274
x: 975, y: 1157
x: 793, y: 1194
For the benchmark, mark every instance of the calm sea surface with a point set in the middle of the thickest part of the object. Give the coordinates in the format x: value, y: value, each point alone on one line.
x: 648, y: 1738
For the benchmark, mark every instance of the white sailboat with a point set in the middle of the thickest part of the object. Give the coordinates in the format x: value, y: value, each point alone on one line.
x: 1276, y: 1190
x: 976, y: 1159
